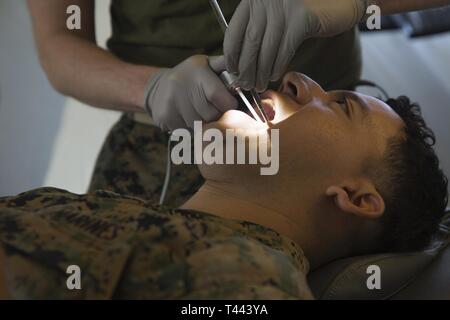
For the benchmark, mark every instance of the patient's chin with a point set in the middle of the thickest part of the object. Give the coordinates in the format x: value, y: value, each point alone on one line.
x: 234, y: 119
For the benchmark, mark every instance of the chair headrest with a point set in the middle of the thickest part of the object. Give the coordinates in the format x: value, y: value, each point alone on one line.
x: 347, y: 278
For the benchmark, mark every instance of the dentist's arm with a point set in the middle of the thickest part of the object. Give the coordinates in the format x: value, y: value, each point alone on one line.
x: 264, y: 35
x: 77, y: 67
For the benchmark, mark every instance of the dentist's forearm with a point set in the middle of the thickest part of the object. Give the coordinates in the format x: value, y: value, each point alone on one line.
x: 80, y: 69
x: 77, y: 67
x: 397, y: 6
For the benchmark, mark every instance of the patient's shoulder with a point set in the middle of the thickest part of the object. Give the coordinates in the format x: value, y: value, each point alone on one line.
x: 162, y: 245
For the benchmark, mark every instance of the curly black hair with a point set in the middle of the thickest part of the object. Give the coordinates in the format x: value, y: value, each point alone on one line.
x: 412, y: 184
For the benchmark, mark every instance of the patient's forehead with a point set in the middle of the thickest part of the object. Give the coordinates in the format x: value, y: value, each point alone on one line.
x: 383, y: 122
x: 381, y: 114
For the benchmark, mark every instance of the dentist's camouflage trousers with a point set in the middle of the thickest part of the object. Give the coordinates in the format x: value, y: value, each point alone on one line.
x: 133, y: 162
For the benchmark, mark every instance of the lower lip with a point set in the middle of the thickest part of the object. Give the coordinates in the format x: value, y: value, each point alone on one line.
x: 269, y: 108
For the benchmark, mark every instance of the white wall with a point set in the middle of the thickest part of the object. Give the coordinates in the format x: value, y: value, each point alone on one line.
x: 419, y: 69
x: 45, y: 139
x: 30, y: 110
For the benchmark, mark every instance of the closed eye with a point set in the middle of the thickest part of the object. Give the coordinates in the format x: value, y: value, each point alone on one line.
x: 343, y: 103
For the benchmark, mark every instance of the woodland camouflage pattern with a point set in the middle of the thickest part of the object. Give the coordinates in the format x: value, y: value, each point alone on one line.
x: 128, y: 248
x: 133, y: 162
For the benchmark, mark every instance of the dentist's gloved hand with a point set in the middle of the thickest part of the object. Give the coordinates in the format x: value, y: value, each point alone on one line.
x: 191, y: 91
x: 263, y: 35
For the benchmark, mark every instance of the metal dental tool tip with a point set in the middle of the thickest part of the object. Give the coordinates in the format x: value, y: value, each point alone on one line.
x: 256, y: 98
x: 230, y: 82
x: 248, y: 105
x: 258, y: 103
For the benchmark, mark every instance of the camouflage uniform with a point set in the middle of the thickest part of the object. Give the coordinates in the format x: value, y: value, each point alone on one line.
x: 129, y: 248
x: 133, y: 162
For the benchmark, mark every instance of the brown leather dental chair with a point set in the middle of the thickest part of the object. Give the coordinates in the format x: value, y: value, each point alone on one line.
x: 411, y: 275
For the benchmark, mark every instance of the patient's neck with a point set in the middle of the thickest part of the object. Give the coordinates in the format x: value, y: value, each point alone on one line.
x: 221, y: 201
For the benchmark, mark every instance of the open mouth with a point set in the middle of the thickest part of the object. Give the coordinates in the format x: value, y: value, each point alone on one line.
x: 278, y: 106
x: 268, y: 105
x: 275, y: 106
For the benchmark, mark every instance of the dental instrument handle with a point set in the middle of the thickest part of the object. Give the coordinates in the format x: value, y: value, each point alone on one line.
x: 228, y: 77
x: 230, y: 82
x: 219, y: 15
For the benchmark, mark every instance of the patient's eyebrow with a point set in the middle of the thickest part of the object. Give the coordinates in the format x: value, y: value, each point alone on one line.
x: 364, y: 107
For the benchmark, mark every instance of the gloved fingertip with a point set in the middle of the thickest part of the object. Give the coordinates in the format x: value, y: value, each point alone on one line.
x: 230, y: 64
x: 233, y: 103
x: 261, y: 86
x: 211, y: 117
x: 232, y: 68
x: 246, y: 85
x: 217, y: 63
x: 242, y: 81
x: 241, y: 85
x: 275, y: 77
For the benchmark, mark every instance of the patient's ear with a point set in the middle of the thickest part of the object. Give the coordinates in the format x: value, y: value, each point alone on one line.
x: 360, y: 198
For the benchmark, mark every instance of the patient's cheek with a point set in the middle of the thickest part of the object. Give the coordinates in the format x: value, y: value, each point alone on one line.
x: 314, y: 135
x: 284, y: 110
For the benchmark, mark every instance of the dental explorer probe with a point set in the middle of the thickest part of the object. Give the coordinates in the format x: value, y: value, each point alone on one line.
x: 230, y: 79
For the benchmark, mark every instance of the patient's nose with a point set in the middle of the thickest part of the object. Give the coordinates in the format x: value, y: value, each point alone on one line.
x: 296, y: 86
